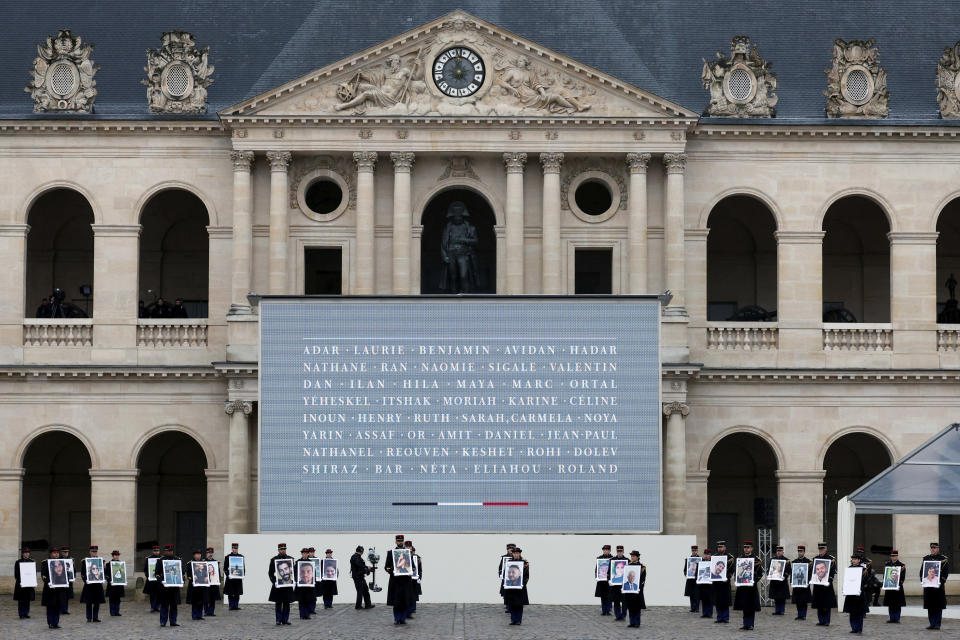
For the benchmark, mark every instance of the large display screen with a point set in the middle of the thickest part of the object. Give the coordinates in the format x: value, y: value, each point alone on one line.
x: 460, y: 414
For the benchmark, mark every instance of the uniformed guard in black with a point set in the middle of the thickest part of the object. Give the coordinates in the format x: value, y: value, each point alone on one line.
x: 196, y: 596
x: 705, y: 591
x: 635, y: 602
x: 747, y: 598
x: 306, y: 596
x: 894, y: 600
x: 507, y: 556
x: 168, y: 597
x: 690, y: 586
x: 400, y: 589
x: 935, y: 599
x: 417, y: 590
x: 614, y: 589
x: 602, y: 590
x: 92, y: 594
x: 858, y: 606
x: 65, y: 606
x: 23, y: 595
x: 115, y: 592
x: 824, y: 598
x: 151, y: 588
x: 721, y: 588
x: 516, y: 599
x: 232, y: 587
x: 312, y: 553
x: 801, y: 596
x: 282, y: 597
x: 779, y: 590
x: 52, y: 598
x: 359, y: 571
x: 213, y: 591
x: 873, y: 588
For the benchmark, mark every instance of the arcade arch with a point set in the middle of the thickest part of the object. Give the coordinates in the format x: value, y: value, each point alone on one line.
x: 741, y: 488
x: 948, y: 262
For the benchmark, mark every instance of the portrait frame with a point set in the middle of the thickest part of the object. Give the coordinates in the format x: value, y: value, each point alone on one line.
x: 703, y: 572
x: 305, y: 577
x: 237, y: 570
x: 402, y: 562
x: 28, y: 574
x: 152, y: 569
x: 928, y: 583
x: 280, y: 581
x: 693, y: 563
x: 328, y: 563
x: 316, y: 567
x: 800, y: 575
x: 891, y: 578
x: 817, y: 581
x: 777, y: 570
x: 94, y: 564
x: 602, y: 571
x: 118, y: 566
x: 743, y: 575
x: 852, y: 580
x: 617, y: 564
x: 416, y: 566
x: 718, y: 569
x: 71, y: 573
x: 198, y: 573
x: 57, y: 580
x: 511, y: 583
x: 213, y: 577
x: 629, y: 587
x: 172, y: 573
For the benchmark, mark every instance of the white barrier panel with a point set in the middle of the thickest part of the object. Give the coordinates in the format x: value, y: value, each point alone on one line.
x: 463, y: 567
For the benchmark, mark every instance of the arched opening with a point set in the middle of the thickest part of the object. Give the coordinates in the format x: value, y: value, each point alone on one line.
x: 856, y: 262
x: 741, y: 488
x: 741, y: 261
x: 60, y: 256
x: 55, y: 504
x: 434, y: 220
x: 850, y: 462
x: 174, y: 256
x: 948, y: 263
x: 171, y: 494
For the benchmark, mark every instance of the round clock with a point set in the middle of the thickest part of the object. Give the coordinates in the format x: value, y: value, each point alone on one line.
x: 458, y: 72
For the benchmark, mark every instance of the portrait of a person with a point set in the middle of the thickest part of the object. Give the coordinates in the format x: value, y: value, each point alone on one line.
x: 931, y: 574
x: 236, y: 567
x: 619, y: 567
x: 820, y: 572
x: 305, y: 573
x: 212, y: 577
x: 719, y: 570
x: 58, y: 573
x: 171, y: 573
x: 891, y: 580
x: 514, y: 576
x: 329, y: 570
x: 776, y: 570
x: 703, y: 574
x: 603, y: 569
x: 402, y: 566
x: 745, y: 573
x: 94, y: 572
x: 285, y: 572
x: 630, y: 584
x: 200, y: 574
x: 800, y: 574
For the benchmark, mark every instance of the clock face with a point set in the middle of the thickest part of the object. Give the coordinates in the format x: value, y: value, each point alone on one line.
x: 458, y: 72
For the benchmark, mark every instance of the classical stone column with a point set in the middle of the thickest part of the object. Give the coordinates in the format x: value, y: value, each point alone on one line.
x: 217, y: 484
x: 551, y: 250
x: 799, y: 296
x: 116, y: 251
x: 514, y: 221
x: 673, y: 221
x: 637, y: 224
x: 365, y: 280
x: 402, y: 202
x: 279, y: 220
x: 675, y: 468
x: 242, y: 232
x: 113, y: 511
x: 697, y: 508
x: 416, y: 237
x: 11, y: 489
x: 238, y: 487
x: 913, y: 299
x: 800, y: 505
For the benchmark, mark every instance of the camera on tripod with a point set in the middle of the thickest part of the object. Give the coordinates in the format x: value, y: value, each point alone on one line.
x: 374, y: 558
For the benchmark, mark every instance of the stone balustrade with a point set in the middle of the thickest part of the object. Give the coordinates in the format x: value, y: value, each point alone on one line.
x: 948, y: 337
x: 843, y: 336
x: 175, y: 334
x: 739, y: 336
x: 58, y: 332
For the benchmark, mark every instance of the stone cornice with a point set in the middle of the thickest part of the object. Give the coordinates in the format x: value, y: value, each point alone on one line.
x: 108, y: 372
x: 114, y: 475
x: 800, y: 476
x: 713, y: 131
x: 913, y: 237
x: 119, y: 127
x: 116, y: 230
x: 818, y: 376
x: 799, y: 237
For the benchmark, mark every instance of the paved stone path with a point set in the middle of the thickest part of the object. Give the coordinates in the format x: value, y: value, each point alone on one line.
x: 443, y: 622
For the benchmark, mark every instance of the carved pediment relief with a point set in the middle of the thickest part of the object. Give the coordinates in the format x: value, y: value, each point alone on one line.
x: 856, y: 83
x: 459, y: 66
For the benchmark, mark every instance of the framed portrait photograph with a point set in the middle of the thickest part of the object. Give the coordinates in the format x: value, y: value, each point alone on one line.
x: 198, y: 572
x: 28, y: 574
x: 777, y: 570
x: 94, y: 571
x: 703, y: 572
x: 68, y: 563
x: 513, y: 574
x: 891, y: 578
x: 631, y: 579
x: 416, y: 566
x: 799, y: 575
x: 602, y: 572
x: 213, y: 572
x: 306, y: 573
x: 331, y: 571
x: 283, y: 573
x: 617, y: 571
x: 152, y: 569
x: 402, y: 562
x: 236, y: 570
x: 821, y: 572
x: 718, y: 569
x: 172, y: 573
x: 692, y: 564
x: 743, y: 576
x: 852, y: 579
x: 317, y: 571
x: 118, y: 573
x: 57, y: 570
x: 931, y: 574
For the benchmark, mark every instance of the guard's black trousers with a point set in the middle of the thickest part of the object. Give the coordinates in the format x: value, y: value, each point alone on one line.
x: 363, y: 592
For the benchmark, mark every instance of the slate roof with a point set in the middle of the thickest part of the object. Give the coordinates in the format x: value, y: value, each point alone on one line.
x: 657, y: 45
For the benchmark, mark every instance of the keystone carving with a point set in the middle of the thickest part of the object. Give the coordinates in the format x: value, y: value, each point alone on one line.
x: 948, y: 83
x: 63, y: 75
x: 856, y: 84
x: 178, y: 75
x: 741, y: 86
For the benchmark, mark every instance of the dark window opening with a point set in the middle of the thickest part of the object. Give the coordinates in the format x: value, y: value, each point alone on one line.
x: 594, y: 271
x: 323, y: 271
x: 323, y: 196
x: 593, y: 197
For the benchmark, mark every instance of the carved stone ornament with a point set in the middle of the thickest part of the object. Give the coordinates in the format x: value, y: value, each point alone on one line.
x: 341, y: 166
x: 670, y: 408
x: 576, y: 166
x: 741, y: 86
x: 459, y: 167
x: 63, y: 75
x: 237, y: 406
x: 178, y: 75
x: 948, y: 82
x: 856, y: 84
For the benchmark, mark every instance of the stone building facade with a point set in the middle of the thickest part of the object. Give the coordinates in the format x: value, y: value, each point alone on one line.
x: 809, y: 340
